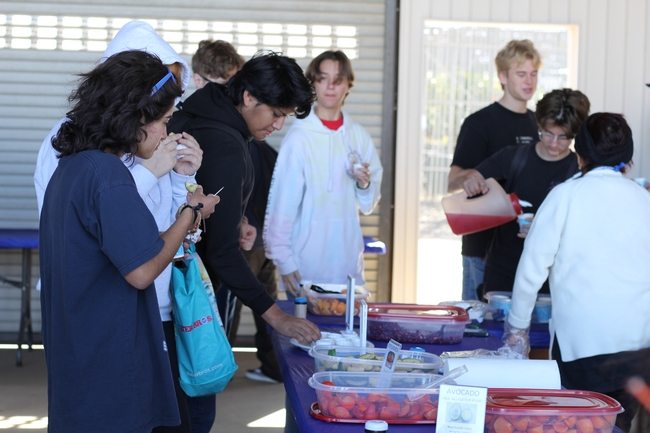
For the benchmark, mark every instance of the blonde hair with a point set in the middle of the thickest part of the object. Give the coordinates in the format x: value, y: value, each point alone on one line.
x: 517, y: 52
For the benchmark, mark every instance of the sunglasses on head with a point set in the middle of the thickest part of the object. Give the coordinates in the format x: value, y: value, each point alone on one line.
x: 162, y: 82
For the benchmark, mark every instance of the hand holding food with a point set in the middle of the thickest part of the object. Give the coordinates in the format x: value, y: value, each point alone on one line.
x: 362, y: 174
x: 208, y: 201
x: 163, y: 159
x: 189, y: 154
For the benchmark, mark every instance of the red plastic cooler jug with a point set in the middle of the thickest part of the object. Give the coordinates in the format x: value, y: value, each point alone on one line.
x: 474, y: 214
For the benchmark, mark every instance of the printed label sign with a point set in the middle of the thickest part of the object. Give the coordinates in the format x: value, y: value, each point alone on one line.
x: 461, y: 409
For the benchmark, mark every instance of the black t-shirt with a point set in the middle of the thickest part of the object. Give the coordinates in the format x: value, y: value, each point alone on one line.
x: 536, y: 179
x: 482, y: 135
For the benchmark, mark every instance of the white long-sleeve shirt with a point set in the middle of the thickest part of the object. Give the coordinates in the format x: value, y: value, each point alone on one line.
x: 162, y: 195
x: 312, y: 218
x: 591, y: 238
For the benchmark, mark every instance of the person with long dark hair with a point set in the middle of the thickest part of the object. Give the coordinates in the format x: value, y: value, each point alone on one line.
x: 591, y: 239
x: 100, y: 251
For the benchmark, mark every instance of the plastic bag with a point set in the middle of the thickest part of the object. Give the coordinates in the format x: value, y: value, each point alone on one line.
x: 205, y: 359
x: 504, y: 352
x: 476, y: 309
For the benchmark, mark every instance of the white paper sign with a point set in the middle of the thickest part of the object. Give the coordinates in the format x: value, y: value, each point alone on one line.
x: 390, y: 362
x: 461, y: 409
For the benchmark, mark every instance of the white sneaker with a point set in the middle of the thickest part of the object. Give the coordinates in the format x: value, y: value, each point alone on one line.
x: 257, y: 374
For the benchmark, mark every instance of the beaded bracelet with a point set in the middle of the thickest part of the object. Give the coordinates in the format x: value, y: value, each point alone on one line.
x: 197, y: 215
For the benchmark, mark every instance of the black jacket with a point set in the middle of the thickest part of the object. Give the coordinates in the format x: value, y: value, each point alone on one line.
x: 210, y: 116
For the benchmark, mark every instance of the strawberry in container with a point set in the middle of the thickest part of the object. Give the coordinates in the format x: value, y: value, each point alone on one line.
x: 549, y: 411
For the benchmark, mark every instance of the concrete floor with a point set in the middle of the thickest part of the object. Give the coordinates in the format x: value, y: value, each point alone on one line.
x: 245, y: 405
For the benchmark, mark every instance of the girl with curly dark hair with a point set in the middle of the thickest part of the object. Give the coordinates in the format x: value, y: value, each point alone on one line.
x: 100, y: 251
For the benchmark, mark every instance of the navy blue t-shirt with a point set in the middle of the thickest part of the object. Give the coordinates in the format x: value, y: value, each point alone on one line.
x: 107, y: 364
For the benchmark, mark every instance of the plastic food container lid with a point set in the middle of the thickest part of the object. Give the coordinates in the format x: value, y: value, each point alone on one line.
x: 352, y: 356
x: 550, y: 402
x: 360, y: 292
x: 447, y: 313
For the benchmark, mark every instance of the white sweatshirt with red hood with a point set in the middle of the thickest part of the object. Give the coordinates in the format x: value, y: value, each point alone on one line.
x: 312, y: 218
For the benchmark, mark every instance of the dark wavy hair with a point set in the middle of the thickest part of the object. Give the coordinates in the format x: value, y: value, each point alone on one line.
x: 565, y: 108
x: 274, y: 80
x: 114, y: 102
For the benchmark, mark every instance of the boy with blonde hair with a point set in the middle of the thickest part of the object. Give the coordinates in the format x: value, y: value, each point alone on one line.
x: 506, y: 122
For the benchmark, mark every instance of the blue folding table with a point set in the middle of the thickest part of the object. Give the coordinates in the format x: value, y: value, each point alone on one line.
x: 25, y: 240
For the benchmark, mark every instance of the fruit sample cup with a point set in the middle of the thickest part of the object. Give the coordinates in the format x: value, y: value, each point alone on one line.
x: 525, y: 220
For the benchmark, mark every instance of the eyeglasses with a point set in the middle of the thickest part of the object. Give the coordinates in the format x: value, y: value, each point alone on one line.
x: 547, y: 137
x: 162, y: 82
x: 207, y: 79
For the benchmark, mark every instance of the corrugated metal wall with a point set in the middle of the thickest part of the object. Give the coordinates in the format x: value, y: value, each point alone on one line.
x: 36, y: 78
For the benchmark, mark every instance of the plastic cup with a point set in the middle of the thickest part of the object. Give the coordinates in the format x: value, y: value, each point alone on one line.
x: 501, y: 302
x: 641, y: 181
x: 543, y: 309
x: 522, y: 219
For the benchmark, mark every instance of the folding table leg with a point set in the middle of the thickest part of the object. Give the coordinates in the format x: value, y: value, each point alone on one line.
x: 25, y: 307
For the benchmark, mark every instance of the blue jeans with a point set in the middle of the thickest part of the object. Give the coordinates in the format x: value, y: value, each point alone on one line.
x: 473, y: 271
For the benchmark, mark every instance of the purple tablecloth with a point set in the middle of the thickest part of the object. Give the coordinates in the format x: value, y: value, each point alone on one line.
x: 297, y: 367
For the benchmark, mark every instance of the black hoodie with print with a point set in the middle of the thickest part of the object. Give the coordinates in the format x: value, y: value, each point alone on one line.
x: 210, y: 116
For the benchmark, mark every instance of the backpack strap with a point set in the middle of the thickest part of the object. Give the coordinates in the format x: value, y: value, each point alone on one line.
x: 517, y: 164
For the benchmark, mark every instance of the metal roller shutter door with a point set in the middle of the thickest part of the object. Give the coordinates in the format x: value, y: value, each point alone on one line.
x: 44, y: 44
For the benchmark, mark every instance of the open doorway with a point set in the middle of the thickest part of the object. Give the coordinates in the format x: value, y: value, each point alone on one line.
x: 457, y: 76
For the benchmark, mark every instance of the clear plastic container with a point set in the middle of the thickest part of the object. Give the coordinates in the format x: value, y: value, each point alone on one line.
x: 410, y: 323
x: 342, y: 358
x: 470, y: 215
x: 355, y: 397
x: 549, y: 411
x: 333, y: 304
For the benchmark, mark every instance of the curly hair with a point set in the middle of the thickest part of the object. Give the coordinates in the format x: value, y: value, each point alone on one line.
x: 274, y: 80
x: 114, y: 102
x: 565, y: 108
x: 216, y: 59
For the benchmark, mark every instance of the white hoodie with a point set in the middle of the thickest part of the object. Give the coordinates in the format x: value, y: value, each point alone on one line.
x: 312, y: 218
x: 162, y: 196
